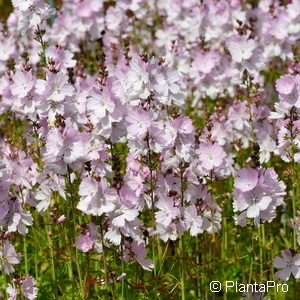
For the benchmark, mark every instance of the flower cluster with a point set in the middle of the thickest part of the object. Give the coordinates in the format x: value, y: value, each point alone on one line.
x: 257, y: 193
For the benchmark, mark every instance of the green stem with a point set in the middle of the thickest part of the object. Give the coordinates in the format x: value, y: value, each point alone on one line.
x: 163, y: 259
x: 51, y: 254
x: 181, y: 247
x: 252, y: 256
x: 77, y: 261
x: 260, y: 251
x: 155, y: 259
x: 25, y: 254
x: 107, y: 283
x: 70, y: 269
x: 79, y: 272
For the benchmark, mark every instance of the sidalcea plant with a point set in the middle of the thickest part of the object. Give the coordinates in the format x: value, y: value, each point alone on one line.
x: 148, y: 148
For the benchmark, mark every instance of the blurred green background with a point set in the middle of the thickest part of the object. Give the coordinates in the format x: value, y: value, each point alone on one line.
x: 5, y: 9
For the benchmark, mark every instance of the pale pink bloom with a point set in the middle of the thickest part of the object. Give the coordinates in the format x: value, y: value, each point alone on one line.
x: 96, y: 197
x: 12, y: 292
x: 114, y: 236
x: 193, y: 220
x: 139, y: 123
x: 85, y: 243
x: 167, y: 211
x: 246, y: 52
x: 99, y: 104
x: 86, y: 8
x: 254, y: 201
x: 7, y: 47
x: 121, y: 277
x: 241, y: 48
x: 57, y: 87
x: 211, y: 155
x: 289, y: 264
x: 12, y: 215
x: 39, y: 11
x: 183, y: 125
x: 23, y: 84
x: 138, y: 75
x: 62, y: 58
x: 285, y: 84
x: 28, y: 289
x: 9, y: 257
x: 206, y: 62
x: 61, y: 219
x: 136, y: 250
x: 23, y: 4
x: 43, y: 196
x: 114, y: 18
x: 263, y: 192
x: 166, y: 232
x: 122, y: 214
x: 247, y: 179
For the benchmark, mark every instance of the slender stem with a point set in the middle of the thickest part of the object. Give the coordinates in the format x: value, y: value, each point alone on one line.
x: 155, y: 258
x: 51, y: 254
x: 107, y: 283
x: 294, y: 174
x: 25, y: 254
x: 181, y: 247
x: 70, y: 269
x: 163, y: 258
x: 77, y: 261
x: 252, y: 256
x: 39, y: 38
x: 198, y: 263
x: 260, y: 250
x: 123, y: 281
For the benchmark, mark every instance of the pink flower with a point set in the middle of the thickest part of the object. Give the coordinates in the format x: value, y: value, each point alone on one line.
x: 246, y: 52
x: 137, y: 251
x: 66, y: 147
x: 56, y: 88
x: 138, y: 124
x: 241, y: 48
x: 12, y: 292
x: 257, y: 194
x: 32, y: 15
x: 211, y: 155
x: 7, y: 47
x: 206, y: 62
x: 12, y: 215
x: 122, y: 214
x: 23, y: 4
x: 61, y: 219
x: 9, y: 257
x: 183, y: 125
x: 96, y: 197
x: 43, y: 196
x: 28, y: 289
x: 85, y: 243
x: 62, y: 58
x: 23, y: 84
x: 289, y: 264
x: 86, y: 8
x: 121, y: 277
x: 285, y: 84
x: 167, y: 211
x: 100, y: 104
x: 247, y: 179
x: 194, y: 221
